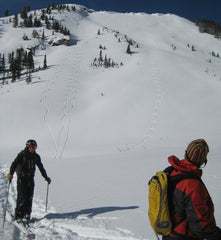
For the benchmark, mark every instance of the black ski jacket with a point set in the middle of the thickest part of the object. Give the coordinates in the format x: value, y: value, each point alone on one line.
x: 24, y: 165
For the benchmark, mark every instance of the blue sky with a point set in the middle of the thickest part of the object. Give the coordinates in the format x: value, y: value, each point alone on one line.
x: 191, y: 9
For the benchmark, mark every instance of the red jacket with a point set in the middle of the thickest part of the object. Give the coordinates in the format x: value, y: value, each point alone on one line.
x: 193, y: 215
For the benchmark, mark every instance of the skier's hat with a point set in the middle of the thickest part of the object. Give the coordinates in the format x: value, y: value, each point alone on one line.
x: 197, y: 151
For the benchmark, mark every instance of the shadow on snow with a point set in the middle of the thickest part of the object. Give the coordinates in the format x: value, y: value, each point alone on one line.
x: 89, y: 212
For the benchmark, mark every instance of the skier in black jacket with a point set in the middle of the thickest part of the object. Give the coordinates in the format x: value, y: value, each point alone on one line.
x: 24, y: 166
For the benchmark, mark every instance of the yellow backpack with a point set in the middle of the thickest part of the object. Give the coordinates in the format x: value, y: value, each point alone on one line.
x: 159, y: 213
x: 161, y: 187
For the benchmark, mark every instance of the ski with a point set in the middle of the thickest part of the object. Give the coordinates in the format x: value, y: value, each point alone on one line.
x: 31, y: 236
x: 24, y: 228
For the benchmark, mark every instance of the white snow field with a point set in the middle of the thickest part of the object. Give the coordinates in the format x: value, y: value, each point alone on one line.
x: 103, y: 132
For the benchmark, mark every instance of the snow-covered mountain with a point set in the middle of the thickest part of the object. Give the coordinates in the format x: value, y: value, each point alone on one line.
x: 103, y: 132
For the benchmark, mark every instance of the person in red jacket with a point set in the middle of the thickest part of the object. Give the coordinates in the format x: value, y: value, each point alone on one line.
x: 192, y: 207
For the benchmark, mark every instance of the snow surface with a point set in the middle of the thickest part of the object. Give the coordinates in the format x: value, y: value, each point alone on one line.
x: 102, y: 133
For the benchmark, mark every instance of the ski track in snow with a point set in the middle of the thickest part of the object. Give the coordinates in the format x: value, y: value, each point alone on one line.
x: 156, y: 110
x: 69, y: 105
x: 70, y: 94
x: 76, y: 226
x: 47, y: 110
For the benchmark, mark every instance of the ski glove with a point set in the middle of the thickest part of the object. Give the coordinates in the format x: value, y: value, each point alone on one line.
x: 9, y: 176
x: 48, y: 180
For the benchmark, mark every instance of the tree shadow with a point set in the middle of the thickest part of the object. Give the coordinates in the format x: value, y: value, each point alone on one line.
x: 74, y: 39
x: 91, y: 212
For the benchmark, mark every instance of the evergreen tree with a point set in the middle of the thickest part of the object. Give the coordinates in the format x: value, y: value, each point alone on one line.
x: 66, y: 31
x: 24, y: 12
x: 37, y: 22
x: 2, y: 63
x: 25, y: 59
x: 128, y: 49
x: 30, y: 23
x: 25, y: 37
x: 6, y: 13
x: 48, y: 10
x: 48, y: 24
x: 100, y: 57
x: 11, y: 57
x: 35, y: 34
x: 17, y: 63
x: 42, y: 14
x: 45, y: 62
x: 30, y: 60
x: 193, y: 48
x: 106, y: 62
x: 15, y: 69
x: 15, y: 20
x: 56, y: 26
x: 209, y: 26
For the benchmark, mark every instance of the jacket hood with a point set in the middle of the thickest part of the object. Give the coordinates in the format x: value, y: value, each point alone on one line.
x: 184, y: 166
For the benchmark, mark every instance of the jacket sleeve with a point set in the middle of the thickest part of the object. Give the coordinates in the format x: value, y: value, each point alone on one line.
x: 200, y: 211
x: 15, y: 163
x: 41, y: 167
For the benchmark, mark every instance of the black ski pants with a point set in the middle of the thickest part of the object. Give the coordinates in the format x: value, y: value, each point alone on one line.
x: 25, y: 191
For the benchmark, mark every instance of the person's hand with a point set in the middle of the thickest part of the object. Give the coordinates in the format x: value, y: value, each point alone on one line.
x: 9, y: 176
x: 48, y: 180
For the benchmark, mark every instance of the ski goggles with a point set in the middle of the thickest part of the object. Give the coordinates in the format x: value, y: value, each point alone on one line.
x: 33, y: 147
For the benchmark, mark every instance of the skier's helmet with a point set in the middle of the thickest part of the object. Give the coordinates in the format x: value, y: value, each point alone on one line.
x: 31, y: 142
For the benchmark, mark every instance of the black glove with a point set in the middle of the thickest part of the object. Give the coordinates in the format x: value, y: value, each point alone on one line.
x: 48, y: 180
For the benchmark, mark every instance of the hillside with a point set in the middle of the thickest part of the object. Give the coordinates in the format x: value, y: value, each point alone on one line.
x: 102, y: 132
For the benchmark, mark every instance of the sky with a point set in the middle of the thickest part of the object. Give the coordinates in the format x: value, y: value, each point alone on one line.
x: 190, y: 9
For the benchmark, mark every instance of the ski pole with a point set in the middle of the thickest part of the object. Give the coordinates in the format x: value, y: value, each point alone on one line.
x: 46, y: 207
x: 6, y: 203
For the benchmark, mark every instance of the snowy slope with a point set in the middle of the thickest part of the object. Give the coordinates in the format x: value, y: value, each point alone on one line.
x: 102, y: 133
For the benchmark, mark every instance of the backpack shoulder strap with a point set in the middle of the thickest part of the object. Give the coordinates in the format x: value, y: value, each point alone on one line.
x: 179, y: 177
x: 174, y: 180
x: 169, y: 169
